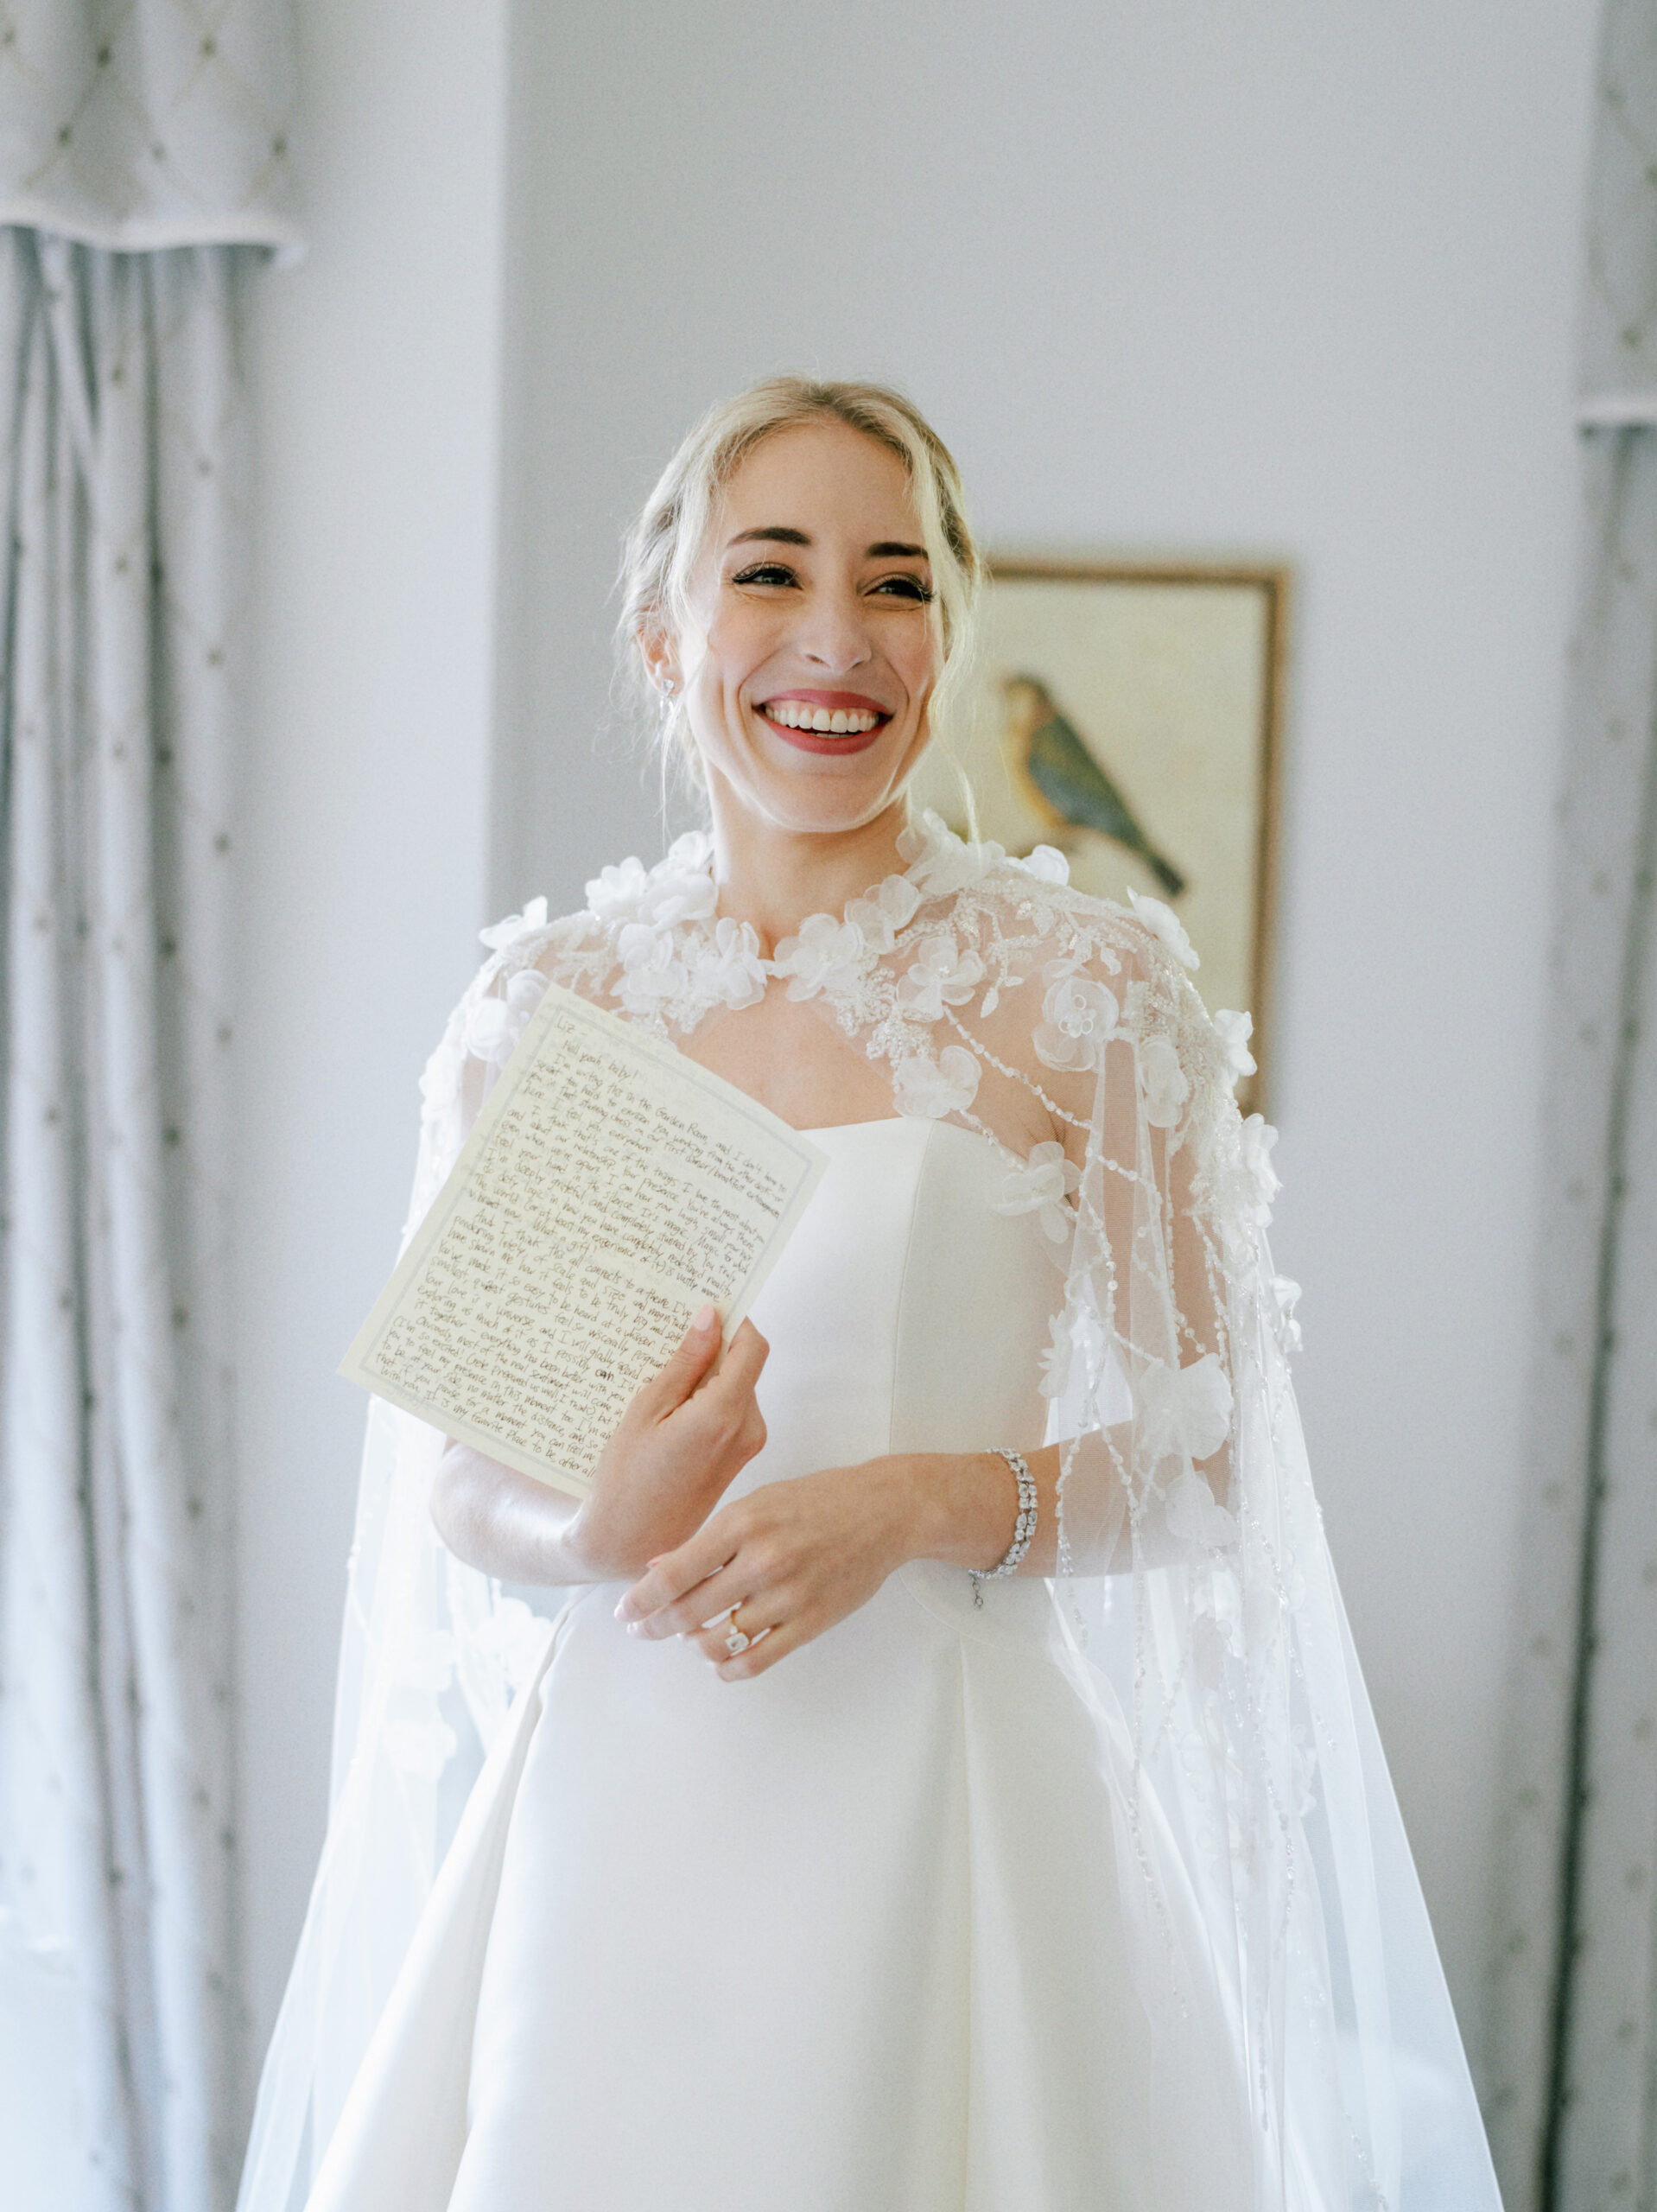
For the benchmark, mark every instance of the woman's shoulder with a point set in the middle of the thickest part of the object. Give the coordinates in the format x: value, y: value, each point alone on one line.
x: 1128, y: 967
x: 983, y: 891
x: 534, y: 938
x: 679, y: 887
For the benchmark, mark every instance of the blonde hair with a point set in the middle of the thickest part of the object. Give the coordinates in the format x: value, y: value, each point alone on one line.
x: 663, y: 546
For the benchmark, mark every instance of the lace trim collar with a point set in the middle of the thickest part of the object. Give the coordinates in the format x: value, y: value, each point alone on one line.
x: 679, y: 957
x: 680, y: 888
x: 680, y: 893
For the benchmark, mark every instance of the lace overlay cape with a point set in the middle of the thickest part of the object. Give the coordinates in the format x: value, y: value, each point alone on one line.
x: 1195, y: 1584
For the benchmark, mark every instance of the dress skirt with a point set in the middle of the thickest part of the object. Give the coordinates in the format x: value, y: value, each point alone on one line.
x: 859, y: 1934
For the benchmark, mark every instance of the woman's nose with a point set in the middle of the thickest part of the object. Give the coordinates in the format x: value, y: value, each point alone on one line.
x: 835, y: 633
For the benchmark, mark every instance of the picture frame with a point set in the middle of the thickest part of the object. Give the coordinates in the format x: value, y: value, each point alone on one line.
x: 1130, y: 713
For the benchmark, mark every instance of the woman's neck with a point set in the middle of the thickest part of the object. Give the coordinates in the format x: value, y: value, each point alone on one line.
x: 774, y: 877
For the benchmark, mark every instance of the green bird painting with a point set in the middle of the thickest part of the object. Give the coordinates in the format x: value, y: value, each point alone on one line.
x: 1063, y: 783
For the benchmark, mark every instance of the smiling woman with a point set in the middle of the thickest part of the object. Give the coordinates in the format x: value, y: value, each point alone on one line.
x: 949, y: 1785
x: 927, y: 536
x: 777, y: 621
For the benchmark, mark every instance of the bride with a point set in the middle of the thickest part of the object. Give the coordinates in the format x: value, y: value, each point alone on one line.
x: 946, y: 1781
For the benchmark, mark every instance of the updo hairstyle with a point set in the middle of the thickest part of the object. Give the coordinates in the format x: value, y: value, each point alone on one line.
x: 663, y: 546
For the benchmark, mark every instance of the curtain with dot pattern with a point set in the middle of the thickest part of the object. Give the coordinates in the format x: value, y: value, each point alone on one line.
x: 140, y: 124
x: 143, y: 172
x: 116, y: 1827
x: 1573, y: 2077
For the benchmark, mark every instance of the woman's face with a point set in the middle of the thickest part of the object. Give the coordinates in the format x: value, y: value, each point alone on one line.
x: 809, y: 658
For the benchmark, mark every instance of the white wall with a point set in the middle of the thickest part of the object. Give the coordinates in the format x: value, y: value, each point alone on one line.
x: 1293, y: 278
x: 376, y: 367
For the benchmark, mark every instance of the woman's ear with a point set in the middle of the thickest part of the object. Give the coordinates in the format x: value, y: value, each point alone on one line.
x: 657, y: 652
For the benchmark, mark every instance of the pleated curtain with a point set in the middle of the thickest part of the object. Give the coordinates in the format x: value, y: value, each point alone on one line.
x: 142, y: 179
x: 1573, y: 2074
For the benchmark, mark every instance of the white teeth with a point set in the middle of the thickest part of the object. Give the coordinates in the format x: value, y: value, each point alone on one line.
x: 795, y: 714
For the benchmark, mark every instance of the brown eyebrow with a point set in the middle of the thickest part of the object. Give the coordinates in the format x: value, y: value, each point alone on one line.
x: 778, y: 533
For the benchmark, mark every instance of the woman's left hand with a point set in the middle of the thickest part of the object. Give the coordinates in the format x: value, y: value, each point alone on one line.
x: 792, y: 1557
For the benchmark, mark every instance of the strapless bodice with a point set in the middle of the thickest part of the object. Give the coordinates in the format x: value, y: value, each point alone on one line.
x: 905, y: 1314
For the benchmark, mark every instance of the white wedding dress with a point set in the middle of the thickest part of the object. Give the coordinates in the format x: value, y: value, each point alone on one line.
x: 1096, y: 1896
x: 843, y: 1936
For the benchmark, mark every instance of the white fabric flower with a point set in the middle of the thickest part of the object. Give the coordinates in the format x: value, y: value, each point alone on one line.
x: 495, y: 1025
x: 940, y: 862
x: 730, y: 971
x: 943, y: 975
x: 1194, y: 1517
x: 1057, y: 1360
x: 1245, y: 1184
x: 618, y: 894
x: 680, y: 886
x: 1163, y: 922
x: 1164, y: 1084
x: 501, y: 934
x: 1110, y: 1393
x: 489, y: 1033
x: 1046, y: 863
x: 826, y: 955
x: 880, y: 913
x: 1041, y: 1186
x: 1082, y: 1374
x: 924, y: 838
x: 651, y: 975
x: 1255, y: 1138
x: 1286, y: 1295
x: 928, y: 1090
x: 690, y: 854
x: 1184, y: 1411
x: 525, y: 992
x: 1079, y: 1017
x: 1234, y: 1031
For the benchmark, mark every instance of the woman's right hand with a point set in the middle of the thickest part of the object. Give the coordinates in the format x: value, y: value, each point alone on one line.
x: 685, y: 1437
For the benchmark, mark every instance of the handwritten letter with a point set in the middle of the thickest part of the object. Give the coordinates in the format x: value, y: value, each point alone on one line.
x: 609, y: 1187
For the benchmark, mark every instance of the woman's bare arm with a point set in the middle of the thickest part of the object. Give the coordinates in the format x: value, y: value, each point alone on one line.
x: 685, y: 1437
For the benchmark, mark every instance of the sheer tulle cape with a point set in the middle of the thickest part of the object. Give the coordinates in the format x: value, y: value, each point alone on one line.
x: 1195, y: 1584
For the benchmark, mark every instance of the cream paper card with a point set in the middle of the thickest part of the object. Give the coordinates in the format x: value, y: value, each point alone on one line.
x: 609, y: 1187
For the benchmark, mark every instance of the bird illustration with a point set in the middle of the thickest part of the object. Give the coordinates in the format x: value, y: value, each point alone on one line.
x: 1063, y: 783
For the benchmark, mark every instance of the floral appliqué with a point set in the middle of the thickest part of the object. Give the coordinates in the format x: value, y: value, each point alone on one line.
x: 943, y: 975
x: 1042, y: 1186
x: 1079, y: 1017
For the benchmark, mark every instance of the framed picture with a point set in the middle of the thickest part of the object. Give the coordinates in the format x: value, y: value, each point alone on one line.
x: 1130, y: 715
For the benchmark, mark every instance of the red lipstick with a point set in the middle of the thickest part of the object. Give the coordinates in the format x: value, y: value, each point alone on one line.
x: 819, y: 741
x: 850, y: 702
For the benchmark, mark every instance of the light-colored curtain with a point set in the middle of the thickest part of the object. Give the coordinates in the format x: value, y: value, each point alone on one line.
x: 148, y: 123
x: 120, y: 502
x: 1574, y: 2079
x: 138, y: 142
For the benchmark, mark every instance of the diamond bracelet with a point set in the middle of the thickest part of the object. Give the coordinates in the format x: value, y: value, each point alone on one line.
x: 1023, y: 1529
